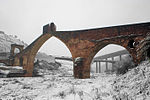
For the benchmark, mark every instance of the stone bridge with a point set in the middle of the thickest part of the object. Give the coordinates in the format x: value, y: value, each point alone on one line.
x: 84, y: 45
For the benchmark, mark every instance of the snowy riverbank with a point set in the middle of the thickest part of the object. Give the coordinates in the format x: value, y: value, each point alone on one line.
x: 57, y: 85
x: 60, y: 85
x: 51, y: 87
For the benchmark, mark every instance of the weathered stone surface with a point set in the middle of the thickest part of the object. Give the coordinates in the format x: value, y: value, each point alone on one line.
x: 86, y: 43
x: 143, y: 51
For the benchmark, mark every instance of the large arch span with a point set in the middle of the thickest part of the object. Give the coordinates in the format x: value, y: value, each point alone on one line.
x: 84, y: 44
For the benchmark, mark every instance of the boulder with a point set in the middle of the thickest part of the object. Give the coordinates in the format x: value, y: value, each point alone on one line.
x: 42, y: 67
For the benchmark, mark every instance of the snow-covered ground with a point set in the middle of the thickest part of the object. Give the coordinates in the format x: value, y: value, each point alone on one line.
x: 57, y: 85
x: 61, y: 85
x: 134, y: 85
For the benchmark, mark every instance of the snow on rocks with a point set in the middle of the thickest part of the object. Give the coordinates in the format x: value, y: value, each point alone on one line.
x: 57, y: 85
x: 134, y: 85
x: 61, y: 85
x: 6, y: 71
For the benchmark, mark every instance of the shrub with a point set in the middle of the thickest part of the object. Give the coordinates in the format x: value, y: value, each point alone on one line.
x: 121, y: 67
x: 43, y: 66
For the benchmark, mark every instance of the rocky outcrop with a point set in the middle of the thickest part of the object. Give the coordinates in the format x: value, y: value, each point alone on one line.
x: 40, y: 67
x: 42, y: 56
x: 134, y: 85
x: 7, y: 40
x: 45, y: 65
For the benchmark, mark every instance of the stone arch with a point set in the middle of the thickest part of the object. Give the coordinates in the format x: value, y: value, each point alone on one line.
x: 14, y: 46
x: 103, y: 44
x: 86, y: 43
x: 35, y: 48
x: 121, y: 42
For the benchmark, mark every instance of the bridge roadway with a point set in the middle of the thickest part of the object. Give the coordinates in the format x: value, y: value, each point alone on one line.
x: 64, y: 58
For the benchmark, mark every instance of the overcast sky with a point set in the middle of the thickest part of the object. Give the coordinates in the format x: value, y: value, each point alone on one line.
x: 25, y: 18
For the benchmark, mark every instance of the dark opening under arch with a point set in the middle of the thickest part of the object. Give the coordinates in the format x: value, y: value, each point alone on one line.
x: 105, y: 58
x: 148, y: 52
x: 131, y: 44
x: 21, y: 61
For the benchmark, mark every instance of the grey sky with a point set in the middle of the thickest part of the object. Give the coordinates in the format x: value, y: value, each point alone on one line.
x: 25, y: 18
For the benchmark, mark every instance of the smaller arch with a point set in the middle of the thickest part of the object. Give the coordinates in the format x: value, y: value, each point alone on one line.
x: 14, y: 47
x: 16, y: 50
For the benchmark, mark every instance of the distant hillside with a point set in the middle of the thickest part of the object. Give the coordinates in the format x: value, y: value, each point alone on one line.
x: 42, y: 56
x: 7, y: 40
